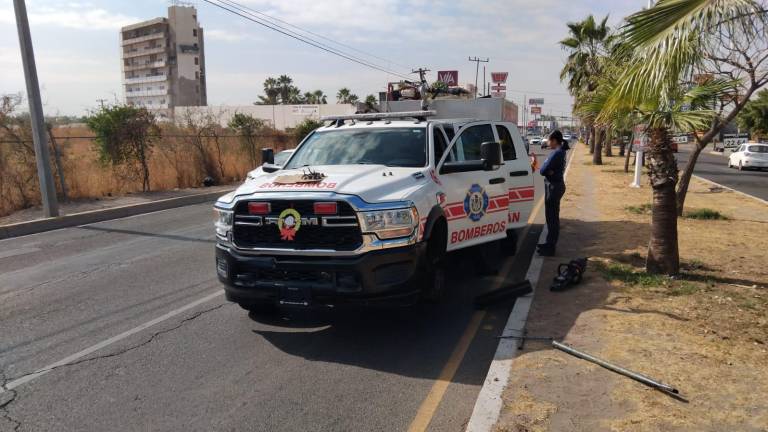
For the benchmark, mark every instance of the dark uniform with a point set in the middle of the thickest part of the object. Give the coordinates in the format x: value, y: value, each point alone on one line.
x: 554, y: 188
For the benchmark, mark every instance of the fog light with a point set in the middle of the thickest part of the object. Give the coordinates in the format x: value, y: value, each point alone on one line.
x: 222, y: 268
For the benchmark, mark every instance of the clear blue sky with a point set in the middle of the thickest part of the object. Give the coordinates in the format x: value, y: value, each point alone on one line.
x: 77, y: 45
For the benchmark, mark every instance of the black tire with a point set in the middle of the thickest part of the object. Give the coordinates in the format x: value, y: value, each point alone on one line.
x: 509, y: 244
x: 488, y: 258
x: 431, y: 279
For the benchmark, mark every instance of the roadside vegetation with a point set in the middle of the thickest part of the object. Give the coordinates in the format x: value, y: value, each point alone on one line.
x: 681, y: 66
x: 119, y: 149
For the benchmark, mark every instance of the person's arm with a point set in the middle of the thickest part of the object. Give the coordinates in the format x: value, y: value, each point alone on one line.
x: 545, y: 167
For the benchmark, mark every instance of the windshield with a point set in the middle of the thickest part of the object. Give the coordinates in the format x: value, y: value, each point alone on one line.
x: 282, y: 157
x: 397, y: 147
x: 758, y: 148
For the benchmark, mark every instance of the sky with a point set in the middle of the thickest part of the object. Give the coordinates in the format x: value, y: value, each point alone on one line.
x: 77, y: 45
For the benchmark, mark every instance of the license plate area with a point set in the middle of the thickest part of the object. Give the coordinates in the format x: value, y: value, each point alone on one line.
x: 295, y: 296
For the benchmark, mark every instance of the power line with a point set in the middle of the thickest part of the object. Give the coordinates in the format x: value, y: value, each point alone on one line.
x: 273, y: 18
x: 223, y: 4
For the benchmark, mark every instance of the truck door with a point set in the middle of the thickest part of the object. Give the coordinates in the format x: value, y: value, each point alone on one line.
x: 477, y: 201
x: 517, y: 169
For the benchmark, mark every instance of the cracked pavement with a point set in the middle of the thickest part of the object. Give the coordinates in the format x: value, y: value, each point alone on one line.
x: 211, y: 367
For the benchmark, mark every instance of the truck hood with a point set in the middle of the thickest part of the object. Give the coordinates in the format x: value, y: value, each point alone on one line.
x: 372, y: 183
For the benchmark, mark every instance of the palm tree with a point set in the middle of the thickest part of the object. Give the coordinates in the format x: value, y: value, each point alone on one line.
x: 587, y: 44
x: 287, y: 90
x: 271, y: 92
x: 345, y: 96
x: 677, y: 38
x: 316, y: 97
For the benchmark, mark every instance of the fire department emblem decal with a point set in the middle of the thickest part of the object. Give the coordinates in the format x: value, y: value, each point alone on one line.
x: 476, y: 202
x: 289, y: 223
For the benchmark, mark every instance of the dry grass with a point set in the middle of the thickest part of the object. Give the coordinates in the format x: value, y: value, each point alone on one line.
x: 174, y: 164
x: 705, y: 332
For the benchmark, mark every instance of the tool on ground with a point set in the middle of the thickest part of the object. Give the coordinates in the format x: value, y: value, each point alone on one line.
x: 666, y: 388
x: 569, y: 274
x: 514, y: 290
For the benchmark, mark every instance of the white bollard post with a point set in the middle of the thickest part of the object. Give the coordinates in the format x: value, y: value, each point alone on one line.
x: 638, y: 169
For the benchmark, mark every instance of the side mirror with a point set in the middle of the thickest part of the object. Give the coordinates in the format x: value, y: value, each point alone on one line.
x: 490, y: 153
x: 267, y: 156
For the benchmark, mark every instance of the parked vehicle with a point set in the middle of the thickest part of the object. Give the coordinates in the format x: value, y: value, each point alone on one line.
x: 367, y: 207
x: 749, y: 156
x: 280, y: 159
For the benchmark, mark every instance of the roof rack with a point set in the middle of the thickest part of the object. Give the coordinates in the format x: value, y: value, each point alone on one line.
x: 382, y: 116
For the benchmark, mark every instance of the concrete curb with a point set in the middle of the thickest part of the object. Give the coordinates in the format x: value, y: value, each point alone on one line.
x: 760, y: 200
x: 75, y: 219
x: 489, y: 402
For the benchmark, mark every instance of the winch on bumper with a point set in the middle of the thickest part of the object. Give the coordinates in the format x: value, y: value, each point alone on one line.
x: 322, y: 260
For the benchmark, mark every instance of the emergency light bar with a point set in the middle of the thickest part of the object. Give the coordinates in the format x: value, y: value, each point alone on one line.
x: 380, y: 116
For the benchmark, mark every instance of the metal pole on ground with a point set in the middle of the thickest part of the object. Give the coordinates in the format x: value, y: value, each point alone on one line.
x: 47, y: 188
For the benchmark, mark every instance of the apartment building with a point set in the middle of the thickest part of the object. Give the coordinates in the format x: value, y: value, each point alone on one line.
x: 163, y: 62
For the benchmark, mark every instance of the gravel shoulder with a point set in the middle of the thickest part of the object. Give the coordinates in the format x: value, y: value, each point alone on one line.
x: 705, y: 332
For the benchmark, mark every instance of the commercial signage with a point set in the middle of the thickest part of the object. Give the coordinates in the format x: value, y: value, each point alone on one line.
x: 451, y: 78
x: 499, y: 77
x: 734, y: 140
x: 305, y: 110
x: 498, y: 87
x: 639, y: 138
x: 499, y: 94
x: 535, y: 110
x: 532, y: 123
x: 536, y: 101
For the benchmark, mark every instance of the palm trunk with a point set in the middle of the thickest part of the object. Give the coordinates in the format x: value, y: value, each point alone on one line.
x: 626, y: 158
x: 608, y: 144
x: 597, y: 156
x: 685, y: 178
x: 591, y: 138
x: 663, y: 254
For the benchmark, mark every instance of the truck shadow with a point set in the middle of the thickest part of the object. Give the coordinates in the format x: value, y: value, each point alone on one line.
x: 417, y: 341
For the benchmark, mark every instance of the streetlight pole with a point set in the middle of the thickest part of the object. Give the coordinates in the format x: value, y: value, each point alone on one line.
x: 478, y: 60
x: 47, y: 188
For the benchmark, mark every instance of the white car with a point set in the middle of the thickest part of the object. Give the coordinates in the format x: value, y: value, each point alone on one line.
x: 367, y: 207
x: 749, y: 156
x: 536, y: 140
x: 280, y: 160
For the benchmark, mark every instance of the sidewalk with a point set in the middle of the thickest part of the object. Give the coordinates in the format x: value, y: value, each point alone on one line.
x: 705, y: 333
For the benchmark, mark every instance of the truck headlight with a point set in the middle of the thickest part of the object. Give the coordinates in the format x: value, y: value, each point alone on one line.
x: 388, y: 224
x: 222, y: 220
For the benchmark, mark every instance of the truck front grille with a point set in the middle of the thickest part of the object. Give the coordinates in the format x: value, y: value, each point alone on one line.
x: 259, y: 232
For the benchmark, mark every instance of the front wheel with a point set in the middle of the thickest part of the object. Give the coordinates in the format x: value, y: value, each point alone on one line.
x: 432, y: 275
x: 741, y: 167
x: 730, y: 165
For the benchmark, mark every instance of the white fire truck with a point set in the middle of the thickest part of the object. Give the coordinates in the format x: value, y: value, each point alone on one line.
x: 367, y: 207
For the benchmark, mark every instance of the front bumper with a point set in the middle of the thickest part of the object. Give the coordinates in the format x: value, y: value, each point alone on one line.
x: 380, y: 276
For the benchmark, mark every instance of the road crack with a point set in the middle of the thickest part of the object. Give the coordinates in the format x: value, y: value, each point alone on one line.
x: 5, y: 380
x: 5, y: 404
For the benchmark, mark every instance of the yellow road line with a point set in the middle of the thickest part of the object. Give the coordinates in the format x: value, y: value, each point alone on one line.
x: 430, y: 404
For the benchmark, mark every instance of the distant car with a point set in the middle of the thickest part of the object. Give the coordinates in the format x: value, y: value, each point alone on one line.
x: 567, y: 137
x: 535, y: 140
x: 749, y: 156
x: 280, y: 159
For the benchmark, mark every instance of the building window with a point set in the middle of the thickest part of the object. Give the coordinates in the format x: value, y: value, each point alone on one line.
x: 194, y: 17
x: 194, y: 32
x: 197, y: 89
x: 197, y: 75
x: 197, y: 61
x: 194, y: 44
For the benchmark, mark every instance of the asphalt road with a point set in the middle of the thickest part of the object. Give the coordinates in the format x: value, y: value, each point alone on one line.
x: 112, y: 305
x: 715, y: 168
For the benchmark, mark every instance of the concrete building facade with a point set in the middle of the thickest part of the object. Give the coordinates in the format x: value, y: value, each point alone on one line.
x: 163, y: 62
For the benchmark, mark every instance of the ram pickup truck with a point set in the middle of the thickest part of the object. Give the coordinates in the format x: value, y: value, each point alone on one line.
x: 366, y: 209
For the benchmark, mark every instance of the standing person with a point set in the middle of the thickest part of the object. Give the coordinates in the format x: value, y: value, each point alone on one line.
x: 553, y: 170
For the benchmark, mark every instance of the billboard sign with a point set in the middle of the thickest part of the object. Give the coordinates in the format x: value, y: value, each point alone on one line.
x: 498, y: 87
x: 536, y: 101
x: 451, y: 78
x: 499, y: 94
x: 535, y: 110
x: 499, y: 77
x: 733, y: 140
x: 639, y: 138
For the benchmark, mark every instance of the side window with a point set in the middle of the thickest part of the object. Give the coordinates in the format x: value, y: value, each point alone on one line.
x: 440, y: 144
x: 507, y: 145
x: 467, y: 147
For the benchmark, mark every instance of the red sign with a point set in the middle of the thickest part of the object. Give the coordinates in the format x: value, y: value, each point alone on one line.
x: 451, y: 78
x: 498, y: 87
x: 499, y: 77
x: 532, y: 123
x: 535, y: 110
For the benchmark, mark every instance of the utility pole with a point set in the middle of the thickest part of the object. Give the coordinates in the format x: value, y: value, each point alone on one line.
x: 484, y: 93
x: 478, y: 60
x: 47, y: 188
x: 101, y: 102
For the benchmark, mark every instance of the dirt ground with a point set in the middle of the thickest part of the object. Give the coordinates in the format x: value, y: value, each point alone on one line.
x: 705, y: 332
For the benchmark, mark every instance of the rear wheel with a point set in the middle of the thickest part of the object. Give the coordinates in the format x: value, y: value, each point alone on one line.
x: 509, y: 244
x: 730, y: 165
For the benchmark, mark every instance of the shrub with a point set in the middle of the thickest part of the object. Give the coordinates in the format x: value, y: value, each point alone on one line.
x: 705, y: 214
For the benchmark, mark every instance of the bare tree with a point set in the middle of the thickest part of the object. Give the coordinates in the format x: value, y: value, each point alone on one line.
x: 738, y: 50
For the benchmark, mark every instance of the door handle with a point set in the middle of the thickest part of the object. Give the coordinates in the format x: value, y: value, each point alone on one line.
x: 518, y: 173
x: 497, y: 180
